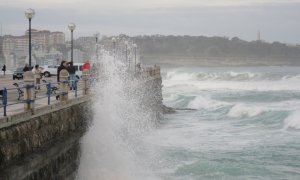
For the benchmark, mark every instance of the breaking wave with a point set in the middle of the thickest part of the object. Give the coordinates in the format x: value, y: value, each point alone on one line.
x: 292, y: 121
x: 177, y: 75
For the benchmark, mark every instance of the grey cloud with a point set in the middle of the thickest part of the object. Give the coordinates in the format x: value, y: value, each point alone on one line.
x: 277, y: 22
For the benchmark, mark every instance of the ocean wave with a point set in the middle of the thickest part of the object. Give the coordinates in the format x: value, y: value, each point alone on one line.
x: 201, y: 102
x: 293, y: 121
x: 177, y: 75
x: 235, y: 85
x: 243, y: 110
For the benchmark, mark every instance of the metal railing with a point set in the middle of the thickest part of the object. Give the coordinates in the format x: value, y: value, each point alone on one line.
x: 30, y: 98
x: 51, y: 90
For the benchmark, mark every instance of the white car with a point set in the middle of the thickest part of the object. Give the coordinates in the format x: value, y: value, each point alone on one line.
x: 50, y: 70
x: 78, y: 67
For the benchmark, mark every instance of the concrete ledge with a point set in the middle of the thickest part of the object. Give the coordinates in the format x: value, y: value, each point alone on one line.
x: 3, y: 120
x: 25, y: 116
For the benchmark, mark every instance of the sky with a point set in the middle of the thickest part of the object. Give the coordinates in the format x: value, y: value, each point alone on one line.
x: 277, y: 20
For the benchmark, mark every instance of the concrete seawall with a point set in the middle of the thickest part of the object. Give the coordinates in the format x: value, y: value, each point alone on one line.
x: 54, y: 130
x: 44, y: 143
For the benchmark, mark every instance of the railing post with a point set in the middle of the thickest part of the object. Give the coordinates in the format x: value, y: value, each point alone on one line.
x: 64, y: 89
x: 85, y: 78
x: 29, y: 90
x: 76, y: 88
x: 49, y: 92
x: 4, y: 100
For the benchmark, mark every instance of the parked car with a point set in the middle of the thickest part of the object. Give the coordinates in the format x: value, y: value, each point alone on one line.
x: 18, y: 73
x: 50, y: 70
x: 78, y: 67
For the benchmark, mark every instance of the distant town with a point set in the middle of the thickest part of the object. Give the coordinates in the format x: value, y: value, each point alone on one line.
x: 48, y: 48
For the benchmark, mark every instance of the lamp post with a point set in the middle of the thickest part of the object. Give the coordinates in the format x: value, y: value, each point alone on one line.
x: 72, y: 27
x: 29, y: 13
x: 96, y: 37
x: 126, y: 45
x: 135, y: 46
x: 113, y: 40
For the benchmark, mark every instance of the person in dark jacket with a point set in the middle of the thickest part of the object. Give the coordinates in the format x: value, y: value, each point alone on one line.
x: 72, y: 75
x: 26, y: 68
x: 63, y: 65
x: 4, y: 69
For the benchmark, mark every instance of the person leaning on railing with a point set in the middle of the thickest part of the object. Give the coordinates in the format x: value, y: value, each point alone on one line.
x: 72, y: 74
x: 37, y: 76
x: 63, y: 65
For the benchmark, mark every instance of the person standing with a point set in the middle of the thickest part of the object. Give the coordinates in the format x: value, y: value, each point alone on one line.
x: 26, y: 68
x: 72, y: 74
x: 4, y: 69
x: 37, y: 75
x: 63, y: 65
x: 86, y: 65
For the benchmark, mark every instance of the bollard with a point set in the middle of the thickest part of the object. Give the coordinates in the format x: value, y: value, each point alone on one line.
x: 29, y: 91
x: 4, y: 100
x: 64, y: 89
x: 85, y: 78
x: 49, y: 92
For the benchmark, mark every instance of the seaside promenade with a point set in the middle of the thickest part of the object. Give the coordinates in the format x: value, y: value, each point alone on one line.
x: 40, y: 136
x: 15, y: 106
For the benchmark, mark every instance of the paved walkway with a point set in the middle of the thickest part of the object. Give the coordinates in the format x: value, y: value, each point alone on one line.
x: 17, y: 106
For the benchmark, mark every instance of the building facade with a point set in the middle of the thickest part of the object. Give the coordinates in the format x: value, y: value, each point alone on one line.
x: 41, y: 41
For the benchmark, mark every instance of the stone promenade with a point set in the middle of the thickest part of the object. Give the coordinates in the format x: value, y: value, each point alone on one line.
x: 17, y: 106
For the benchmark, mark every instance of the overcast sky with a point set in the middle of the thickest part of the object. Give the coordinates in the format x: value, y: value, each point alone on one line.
x: 277, y: 20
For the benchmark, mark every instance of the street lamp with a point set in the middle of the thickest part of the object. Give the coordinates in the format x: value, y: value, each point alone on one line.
x: 114, y: 40
x: 72, y: 27
x: 126, y: 45
x: 29, y: 13
x: 135, y: 46
x: 96, y: 36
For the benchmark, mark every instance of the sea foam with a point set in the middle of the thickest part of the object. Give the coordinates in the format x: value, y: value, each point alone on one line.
x: 243, y: 110
x: 293, y: 121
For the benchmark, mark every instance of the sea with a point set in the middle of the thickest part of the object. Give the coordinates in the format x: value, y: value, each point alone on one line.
x: 230, y: 123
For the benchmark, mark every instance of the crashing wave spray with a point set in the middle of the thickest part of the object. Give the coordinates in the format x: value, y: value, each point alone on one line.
x: 110, y: 147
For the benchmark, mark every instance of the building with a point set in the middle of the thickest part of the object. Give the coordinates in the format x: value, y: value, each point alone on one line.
x: 87, y: 44
x: 41, y: 41
x: 78, y: 56
x: 57, y: 38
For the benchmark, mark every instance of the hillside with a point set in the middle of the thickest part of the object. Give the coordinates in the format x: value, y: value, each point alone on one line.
x: 214, y: 51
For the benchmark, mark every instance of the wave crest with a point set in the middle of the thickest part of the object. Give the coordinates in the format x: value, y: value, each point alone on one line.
x: 177, y: 75
x: 243, y: 110
x: 292, y: 121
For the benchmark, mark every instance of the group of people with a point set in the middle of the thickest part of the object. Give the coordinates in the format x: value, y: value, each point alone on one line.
x: 72, y: 71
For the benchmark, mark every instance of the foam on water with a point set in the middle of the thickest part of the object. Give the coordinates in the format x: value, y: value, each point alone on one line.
x: 243, y: 110
x: 235, y: 133
x: 293, y: 121
x: 201, y: 102
x: 110, y: 148
x: 246, y: 125
x: 183, y: 74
